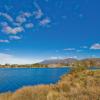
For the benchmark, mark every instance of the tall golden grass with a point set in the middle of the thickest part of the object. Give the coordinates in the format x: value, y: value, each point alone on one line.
x: 82, y: 85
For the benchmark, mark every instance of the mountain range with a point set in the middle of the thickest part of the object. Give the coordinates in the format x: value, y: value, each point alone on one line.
x: 72, y: 61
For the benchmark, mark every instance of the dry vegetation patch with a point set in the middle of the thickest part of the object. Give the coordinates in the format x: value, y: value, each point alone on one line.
x: 82, y: 85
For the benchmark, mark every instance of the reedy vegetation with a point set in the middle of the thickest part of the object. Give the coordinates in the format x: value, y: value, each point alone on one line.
x: 80, y: 84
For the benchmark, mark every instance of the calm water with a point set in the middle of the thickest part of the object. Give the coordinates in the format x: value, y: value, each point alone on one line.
x: 14, y: 78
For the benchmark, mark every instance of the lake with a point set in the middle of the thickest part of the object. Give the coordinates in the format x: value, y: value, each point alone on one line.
x: 15, y: 78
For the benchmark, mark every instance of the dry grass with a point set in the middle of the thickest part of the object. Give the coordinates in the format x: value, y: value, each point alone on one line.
x: 83, y: 85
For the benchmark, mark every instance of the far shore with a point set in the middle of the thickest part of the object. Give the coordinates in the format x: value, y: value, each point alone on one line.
x: 87, y: 63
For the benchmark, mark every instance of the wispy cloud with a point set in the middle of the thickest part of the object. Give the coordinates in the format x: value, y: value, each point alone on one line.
x: 10, y: 30
x: 4, y: 41
x: 45, y: 21
x: 13, y: 24
x: 11, y: 59
x: 7, y: 16
x: 27, y: 14
x: 74, y: 57
x: 3, y: 24
x: 69, y: 49
x: 29, y: 25
x: 20, y: 19
x: 4, y: 57
x: 56, y: 57
x: 95, y: 46
x: 15, y: 37
x: 38, y: 13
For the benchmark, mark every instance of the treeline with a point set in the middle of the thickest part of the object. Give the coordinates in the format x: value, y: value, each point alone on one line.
x: 23, y: 66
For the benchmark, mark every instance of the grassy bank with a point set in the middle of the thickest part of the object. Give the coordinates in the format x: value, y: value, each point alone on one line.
x: 78, y: 85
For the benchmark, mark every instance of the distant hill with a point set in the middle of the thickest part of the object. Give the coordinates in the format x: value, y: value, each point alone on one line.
x: 57, y: 61
x: 91, y: 61
x: 88, y: 62
x: 72, y: 62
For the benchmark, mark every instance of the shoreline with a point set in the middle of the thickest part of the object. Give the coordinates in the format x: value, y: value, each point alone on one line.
x: 35, y: 67
x: 64, y: 84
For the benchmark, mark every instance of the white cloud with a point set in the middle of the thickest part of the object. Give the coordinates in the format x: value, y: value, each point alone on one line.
x: 45, y: 21
x: 69, y: 49
x: 15, y: 37
x: 4, y: 57
x: 38, y: 14
x: 4, y: 41
x: 4, y: 24
x: 27, y: 14
x: 7, y: 16
x: 16, y: 24
x: 56, y: 57
x: 10, y: 59
x: 95, y: 46
x: 10, y: 30
x: 20, y: 19
x: 23, y: 20
x: 74, y: 57
x: 29, y: 25
x: 62, y: 57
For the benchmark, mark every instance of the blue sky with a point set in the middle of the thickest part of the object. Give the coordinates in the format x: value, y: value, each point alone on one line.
x: 33, y: 30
